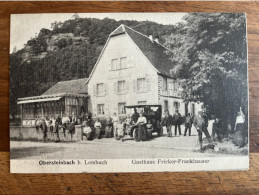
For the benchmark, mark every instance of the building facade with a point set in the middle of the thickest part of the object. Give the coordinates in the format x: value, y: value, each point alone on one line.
x: 65, y: 97
x: 133, y: 69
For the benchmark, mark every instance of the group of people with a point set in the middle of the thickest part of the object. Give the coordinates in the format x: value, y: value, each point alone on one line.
x: 54, y: 124
x: 119, y: 128
x: 200, y: 122
x: 168, y: 121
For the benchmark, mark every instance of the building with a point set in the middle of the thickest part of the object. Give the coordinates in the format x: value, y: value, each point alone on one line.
x: 134, y: 69
x: 65, y: 97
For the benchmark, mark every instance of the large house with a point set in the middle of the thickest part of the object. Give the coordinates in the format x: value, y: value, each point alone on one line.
x: 134, y: 69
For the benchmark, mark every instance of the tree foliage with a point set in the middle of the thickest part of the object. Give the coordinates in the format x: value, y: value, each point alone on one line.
x: 210, y: 56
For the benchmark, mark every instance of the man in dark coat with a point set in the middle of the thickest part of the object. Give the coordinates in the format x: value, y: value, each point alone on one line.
x: 168, y: 121
x: 135, y: 116
x: 177, y: 122
x: 44, y: 129
x: 58, y: 123
x: 188, y: 124
x: 71, y: 129
x: 201, y: 124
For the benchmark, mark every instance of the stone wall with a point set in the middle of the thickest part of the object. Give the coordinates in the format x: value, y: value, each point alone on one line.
x: 30, y: 133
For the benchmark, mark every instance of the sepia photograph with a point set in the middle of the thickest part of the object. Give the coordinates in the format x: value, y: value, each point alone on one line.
x: 128, y: 92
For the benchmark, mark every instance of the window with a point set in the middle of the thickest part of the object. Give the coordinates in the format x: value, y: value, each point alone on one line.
x: 100, y: 109
x: 121, y: 107
x: 166, y: 105
x: 141, y: 84
x: 165, y: 87
x: 121, y: 87
x: 175, y: 87
x: 176, y: 106
x: 118, y: 64
x: 100, y: 89
x: 123, y: 63
x: 115, y: 64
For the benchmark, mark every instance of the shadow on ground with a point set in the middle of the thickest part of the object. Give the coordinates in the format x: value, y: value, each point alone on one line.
x: 17, y: 153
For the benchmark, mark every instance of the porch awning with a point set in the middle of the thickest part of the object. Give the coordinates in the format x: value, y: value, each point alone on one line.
x: 39, y: 100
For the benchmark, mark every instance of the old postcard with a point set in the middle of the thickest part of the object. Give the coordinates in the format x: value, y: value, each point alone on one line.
x: 128, y: 92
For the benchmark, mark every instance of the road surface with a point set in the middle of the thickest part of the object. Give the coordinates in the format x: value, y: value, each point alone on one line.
x: 109, y: 148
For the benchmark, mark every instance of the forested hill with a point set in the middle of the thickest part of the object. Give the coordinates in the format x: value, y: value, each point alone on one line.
x: 68, y: 51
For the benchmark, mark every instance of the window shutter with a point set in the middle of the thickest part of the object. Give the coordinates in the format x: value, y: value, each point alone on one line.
x: 135, y: 85
x: 106, y: 88
x: 115, y: 87
x: 94, y: 89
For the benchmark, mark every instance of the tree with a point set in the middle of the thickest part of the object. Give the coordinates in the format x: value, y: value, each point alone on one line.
x: 209, y: 55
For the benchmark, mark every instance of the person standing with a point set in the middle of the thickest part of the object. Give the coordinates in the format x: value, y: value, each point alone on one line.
x: 240, y: 120
x: 141, y: 122
x: 201, y: 124
x: 83, y: 116
x: 108, y: 128
x: 44, y: 129
x: 89, y: 119
x: 241, y: 133
x: 168, y: 121
x: 177, y: 122
x: 188, y: 124
x: 51, y: 126
x: 115, y: 120
x: 37, y: 123
x: 135, y: 116
x: 119, y: 131
x: 58, y: 123
x: 97, y: 126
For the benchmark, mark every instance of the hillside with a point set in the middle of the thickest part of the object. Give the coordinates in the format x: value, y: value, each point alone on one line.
x: 68, y: 51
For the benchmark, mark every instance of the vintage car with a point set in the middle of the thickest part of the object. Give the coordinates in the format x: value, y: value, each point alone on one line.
x: 153, y: 115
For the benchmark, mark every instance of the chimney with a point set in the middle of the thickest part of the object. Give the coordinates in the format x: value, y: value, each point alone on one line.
x: 150, y: 37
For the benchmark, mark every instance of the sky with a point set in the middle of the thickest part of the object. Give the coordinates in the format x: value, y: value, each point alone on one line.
x: 26, y: 26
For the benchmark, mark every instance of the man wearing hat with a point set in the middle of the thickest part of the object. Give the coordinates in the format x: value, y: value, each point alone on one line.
x: 201, y: 124
x: 177, y: 122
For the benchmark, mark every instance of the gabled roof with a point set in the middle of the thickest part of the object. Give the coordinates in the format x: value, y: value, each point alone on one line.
x: 154, y: 52
x: 77, y: 86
